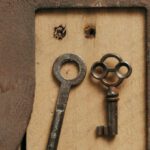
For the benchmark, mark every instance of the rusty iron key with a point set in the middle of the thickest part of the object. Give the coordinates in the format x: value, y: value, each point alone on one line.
x: 63, y: 95
x: 101, y: 70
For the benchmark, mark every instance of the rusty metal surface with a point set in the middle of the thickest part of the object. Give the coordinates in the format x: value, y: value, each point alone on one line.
x: 17, y: 60
x: 65, y: 87
x: 112, y: 96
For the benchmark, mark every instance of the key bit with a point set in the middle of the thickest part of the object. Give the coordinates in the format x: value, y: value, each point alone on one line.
x: 112, y: 96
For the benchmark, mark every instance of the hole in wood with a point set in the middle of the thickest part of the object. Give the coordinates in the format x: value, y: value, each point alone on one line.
x: 60, y: 32
x: 90, y: 31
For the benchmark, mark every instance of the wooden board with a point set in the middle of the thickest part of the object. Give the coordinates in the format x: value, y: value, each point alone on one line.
x: 118, y: 31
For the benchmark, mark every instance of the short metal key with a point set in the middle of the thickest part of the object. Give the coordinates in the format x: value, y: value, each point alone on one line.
x: 63, y: 95
x: 112, y: 96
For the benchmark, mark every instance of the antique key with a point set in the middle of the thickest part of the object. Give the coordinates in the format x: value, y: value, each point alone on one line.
x: 63, y: 95
x: 101, y: 70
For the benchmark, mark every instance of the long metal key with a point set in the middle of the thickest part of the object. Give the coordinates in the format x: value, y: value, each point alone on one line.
x: 101, y: 70
x: 63, y: 95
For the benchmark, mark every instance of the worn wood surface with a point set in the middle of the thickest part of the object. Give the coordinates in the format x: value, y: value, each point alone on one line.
x: 121, y: 32
x: 17, y: 66
x: 16, y: 72
x: 88, y: 3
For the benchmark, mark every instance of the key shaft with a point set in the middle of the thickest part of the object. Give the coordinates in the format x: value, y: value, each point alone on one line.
x: 58, y: 116
x: 112, y: 116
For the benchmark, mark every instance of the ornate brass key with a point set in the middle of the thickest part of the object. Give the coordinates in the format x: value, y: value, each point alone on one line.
x: 100, y: 70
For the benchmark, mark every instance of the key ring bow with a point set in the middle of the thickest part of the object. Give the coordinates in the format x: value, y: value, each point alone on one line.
x: 105, y: 70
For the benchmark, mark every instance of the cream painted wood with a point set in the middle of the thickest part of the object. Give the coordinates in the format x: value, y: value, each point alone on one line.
x: 118, y: 31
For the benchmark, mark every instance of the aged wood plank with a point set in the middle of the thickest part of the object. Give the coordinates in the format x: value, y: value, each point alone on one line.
x: 148, y: 80
x: 121, y: 32
x: 16, y: 72
x: 88, y: 3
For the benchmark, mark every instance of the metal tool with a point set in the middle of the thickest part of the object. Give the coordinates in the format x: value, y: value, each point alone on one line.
x: 111, y: 95
x: 63, y: 95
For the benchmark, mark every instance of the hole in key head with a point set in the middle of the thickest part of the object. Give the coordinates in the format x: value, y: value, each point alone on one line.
x: 98, y: 70
x: 111, y: 62
x: 123, y: 70
x: 111, y: 79
x: 69, y: 70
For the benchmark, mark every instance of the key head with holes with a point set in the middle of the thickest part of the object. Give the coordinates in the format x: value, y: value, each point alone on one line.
x: 69, y: 58
x: 104, y: 70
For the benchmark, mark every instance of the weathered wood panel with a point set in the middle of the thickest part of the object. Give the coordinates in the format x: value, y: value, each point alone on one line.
x: 118, y: 31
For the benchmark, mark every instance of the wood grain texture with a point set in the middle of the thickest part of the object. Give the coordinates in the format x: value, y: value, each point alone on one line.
x: 16, y: 72
x: 121, y: 32
x: 17, y: 66
x: 148, y: 77
x: 88, y: 3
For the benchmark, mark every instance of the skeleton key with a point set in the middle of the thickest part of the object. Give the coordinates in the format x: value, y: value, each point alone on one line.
x: 111, y: 95
x: 63, y: 95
